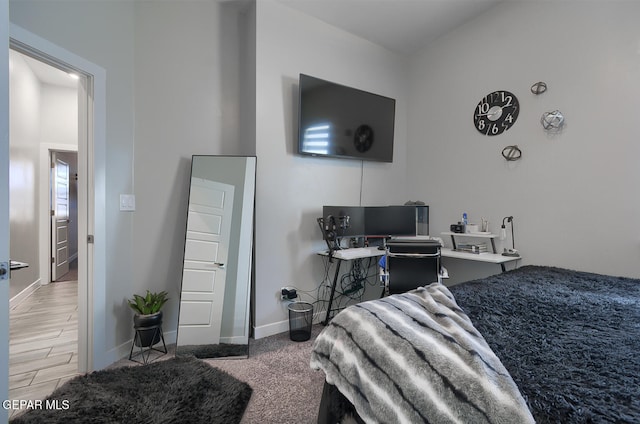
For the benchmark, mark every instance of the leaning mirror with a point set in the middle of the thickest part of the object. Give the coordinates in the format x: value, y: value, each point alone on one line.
x: 213, y: 321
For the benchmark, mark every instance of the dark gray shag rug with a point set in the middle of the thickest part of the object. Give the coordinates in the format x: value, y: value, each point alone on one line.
x: 178, y: 390
x: 213, y: 350
x: 570, y: 340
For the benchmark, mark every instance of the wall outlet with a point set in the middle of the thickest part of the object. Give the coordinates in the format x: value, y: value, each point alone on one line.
x: 288, y: 293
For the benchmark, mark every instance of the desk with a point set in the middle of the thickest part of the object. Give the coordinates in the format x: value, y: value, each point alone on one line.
x: 494, y: 258
x: 347, y: 255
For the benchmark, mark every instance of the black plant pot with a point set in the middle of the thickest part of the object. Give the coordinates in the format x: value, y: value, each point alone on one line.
x: 148, y: 329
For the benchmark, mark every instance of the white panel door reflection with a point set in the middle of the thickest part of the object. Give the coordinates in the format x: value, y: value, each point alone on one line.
x: 205, y: 256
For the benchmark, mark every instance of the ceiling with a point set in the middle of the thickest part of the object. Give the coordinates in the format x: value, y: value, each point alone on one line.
x: 404, y: 26
x: 45, y: 73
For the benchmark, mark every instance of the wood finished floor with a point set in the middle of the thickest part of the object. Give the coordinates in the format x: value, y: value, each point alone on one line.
x: 43, y: 347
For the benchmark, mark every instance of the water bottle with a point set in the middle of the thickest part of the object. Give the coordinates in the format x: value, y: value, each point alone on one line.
x: 464, y: 219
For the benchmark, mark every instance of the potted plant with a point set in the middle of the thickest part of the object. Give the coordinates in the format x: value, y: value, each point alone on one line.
x: 148, y: 317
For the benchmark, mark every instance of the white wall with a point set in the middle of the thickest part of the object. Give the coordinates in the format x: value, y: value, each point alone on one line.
x: 187, y: 102
x: 165, y: 101
x: 59, y: 120
x: 291, y: 190
x: 572, y: 195
x: 25, y: 118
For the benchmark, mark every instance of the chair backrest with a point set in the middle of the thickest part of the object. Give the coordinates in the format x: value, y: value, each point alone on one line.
x: 411, y: 265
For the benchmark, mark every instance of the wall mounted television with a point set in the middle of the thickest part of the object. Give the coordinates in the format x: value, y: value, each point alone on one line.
x: 343, y: 122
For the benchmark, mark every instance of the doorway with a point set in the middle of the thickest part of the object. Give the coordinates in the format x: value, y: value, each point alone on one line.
x: 44, y: 336
x: 91, y: 192
x: 63, y: 207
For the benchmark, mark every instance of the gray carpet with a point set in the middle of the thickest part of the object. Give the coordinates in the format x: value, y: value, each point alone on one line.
x: 285, y: 388
x: 178, y: 390
x: 569, y: 339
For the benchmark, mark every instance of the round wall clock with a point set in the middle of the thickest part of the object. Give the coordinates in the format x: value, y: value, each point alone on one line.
x: 496, y: 113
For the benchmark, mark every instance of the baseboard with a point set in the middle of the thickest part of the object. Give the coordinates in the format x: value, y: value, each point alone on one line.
x: 25, y: 293
x: 234, y: 340
x: 267, y: 330
x: 272, y: 329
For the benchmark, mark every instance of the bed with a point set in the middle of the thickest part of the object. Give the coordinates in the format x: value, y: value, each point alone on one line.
x: 540, y: 344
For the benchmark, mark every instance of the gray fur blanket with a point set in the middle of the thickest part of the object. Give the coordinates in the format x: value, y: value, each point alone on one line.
x: 416, y: 357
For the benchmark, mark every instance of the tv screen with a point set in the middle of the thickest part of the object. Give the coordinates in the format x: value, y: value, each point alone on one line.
x: 344, y: 122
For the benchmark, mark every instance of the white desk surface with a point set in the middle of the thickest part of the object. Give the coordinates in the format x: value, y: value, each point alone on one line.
x: 494, y: 258
x: 479, y: 235
x: 355, y: 253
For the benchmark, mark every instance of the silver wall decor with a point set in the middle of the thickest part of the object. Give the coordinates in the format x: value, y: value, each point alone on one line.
x: 512, y: 153
x: 539, y: 87
x: 552, y: 121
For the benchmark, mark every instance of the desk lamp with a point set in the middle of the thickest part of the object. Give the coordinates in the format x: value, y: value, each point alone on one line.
x: 503, y: 235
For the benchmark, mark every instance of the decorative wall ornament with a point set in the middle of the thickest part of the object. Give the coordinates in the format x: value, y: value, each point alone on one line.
x: 552, y: 121
x: 511, y: 153
x: 539, y: 87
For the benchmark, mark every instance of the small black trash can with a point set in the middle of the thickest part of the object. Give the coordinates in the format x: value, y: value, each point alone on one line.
x: 300, y: 320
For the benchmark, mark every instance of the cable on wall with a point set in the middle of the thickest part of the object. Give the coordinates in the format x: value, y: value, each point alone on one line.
x: 361, y: 180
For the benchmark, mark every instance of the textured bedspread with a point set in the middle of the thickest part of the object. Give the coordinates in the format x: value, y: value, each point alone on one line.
x: 570, y: 340
x: 415, y: 358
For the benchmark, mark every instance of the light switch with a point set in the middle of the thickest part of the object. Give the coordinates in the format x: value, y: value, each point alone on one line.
x: 127, y: 202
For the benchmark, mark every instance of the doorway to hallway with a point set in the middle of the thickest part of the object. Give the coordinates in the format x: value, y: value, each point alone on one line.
x: 44, y: 332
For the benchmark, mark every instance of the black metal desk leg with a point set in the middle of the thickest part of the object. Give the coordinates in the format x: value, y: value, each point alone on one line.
x: 333, y: 292
x: 493, y: 245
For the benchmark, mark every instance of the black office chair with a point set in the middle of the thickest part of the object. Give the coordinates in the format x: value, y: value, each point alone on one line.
x: 411, y: 264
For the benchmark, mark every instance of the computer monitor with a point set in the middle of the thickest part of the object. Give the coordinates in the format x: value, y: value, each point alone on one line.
x: 387, y: 221
x: 371, y: 221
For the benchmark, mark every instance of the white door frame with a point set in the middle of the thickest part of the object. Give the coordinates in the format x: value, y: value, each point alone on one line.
x: 60, y: 225
x: 4, y: 204
x: 91, y: 191
x: 44, y: 249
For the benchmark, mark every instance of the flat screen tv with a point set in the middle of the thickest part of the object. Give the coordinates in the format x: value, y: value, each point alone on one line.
x: 343, y: 122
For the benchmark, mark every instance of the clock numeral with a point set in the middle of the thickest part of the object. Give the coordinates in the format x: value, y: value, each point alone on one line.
x: 509, y: 118
x: 481, y: 124
x: 507, y: 99
x: 490, y: 129
x: 503, y: 96
x: 483, y: 108
x: 495, y: 129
